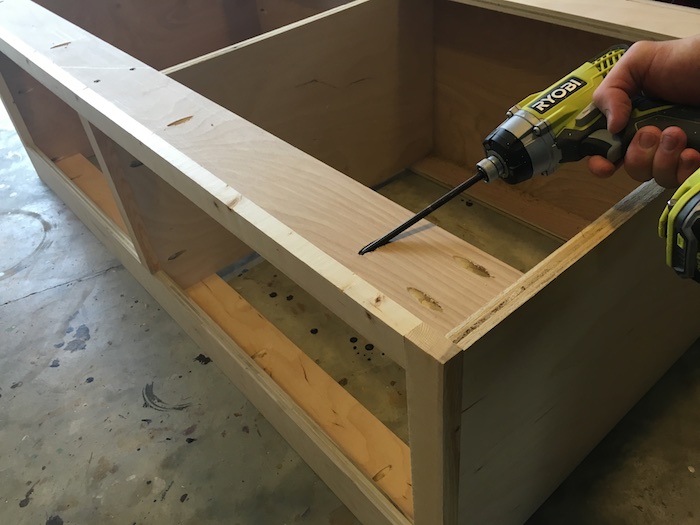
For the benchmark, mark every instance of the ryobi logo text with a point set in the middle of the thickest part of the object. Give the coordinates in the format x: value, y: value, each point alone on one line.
x: 556, y: 95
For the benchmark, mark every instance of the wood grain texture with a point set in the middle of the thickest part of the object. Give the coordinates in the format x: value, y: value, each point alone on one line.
x: 187, y: 139
x: 176, y: 236
x: 353, y: 87
x: 296, y: 427
x: 624, y: 19
x: 477, y: 83
x: 376, y: 451
x: 547, y: 382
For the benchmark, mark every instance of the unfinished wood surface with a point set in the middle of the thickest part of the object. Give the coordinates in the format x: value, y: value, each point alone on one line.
x: 162, y: 33
x: 53, y: 126
x: 91, y: 182
x: 376, y: 451
x: 355, y: 490
x: 476, y: 84
x: 434, y: 387
x: 625, y: 19
x: 545, y: 384
x: 229, y: 168
x: 353, y: 87
x: 273, y: 14
x: 176, y: 236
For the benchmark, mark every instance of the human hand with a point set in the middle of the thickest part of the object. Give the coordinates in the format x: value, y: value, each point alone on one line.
x: 665, y: 70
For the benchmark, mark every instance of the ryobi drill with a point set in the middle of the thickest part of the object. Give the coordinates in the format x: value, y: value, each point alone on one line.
x: 561, y: 124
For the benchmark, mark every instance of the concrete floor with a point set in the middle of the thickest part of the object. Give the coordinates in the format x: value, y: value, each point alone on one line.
x: 110, y: 414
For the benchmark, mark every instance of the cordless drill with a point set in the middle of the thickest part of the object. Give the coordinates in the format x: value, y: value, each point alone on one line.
x: 561, y: 124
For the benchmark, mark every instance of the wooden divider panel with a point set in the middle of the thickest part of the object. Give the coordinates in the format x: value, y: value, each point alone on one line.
x: 171, y: 233
x: 352, y: 87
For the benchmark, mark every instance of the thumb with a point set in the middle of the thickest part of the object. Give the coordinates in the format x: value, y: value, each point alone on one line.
x: 615, y: 104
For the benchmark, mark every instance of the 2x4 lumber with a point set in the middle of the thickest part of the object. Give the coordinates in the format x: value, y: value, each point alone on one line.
x: 376, y: 451
x: 476, y: 84
x: 174, y: 235
x: 298, y: 213
x: 353, y: 86
x: 296, y: 427
x: 434, y: 388
x: 625, y: 19
x: 578, y: 343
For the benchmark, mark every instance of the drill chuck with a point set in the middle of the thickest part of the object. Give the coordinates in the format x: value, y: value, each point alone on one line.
x: 521, y: 146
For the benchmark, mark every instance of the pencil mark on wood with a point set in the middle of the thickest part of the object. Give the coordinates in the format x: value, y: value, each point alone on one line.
x: 176, y: 255
x: 472, y: 266
x: 180, y: 121
x: 424, y: 299
x: 382, y: 473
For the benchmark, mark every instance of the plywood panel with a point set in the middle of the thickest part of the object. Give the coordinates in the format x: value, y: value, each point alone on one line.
x: 353, y: 88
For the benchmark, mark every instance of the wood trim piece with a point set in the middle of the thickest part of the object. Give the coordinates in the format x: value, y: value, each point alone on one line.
x: 296, y: 427
x: 370, y: 445
x: 624, y: 19
x: 434, y: 387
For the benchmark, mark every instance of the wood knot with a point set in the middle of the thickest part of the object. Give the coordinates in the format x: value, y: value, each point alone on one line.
x: 471, y: 266
x: 424, y: 299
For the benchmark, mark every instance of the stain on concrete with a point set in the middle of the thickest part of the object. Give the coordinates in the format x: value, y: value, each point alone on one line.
x: 202, y: 359
x: 28, y: 496
x: 151, y: 400
x: 54, y: 520
x: 103, y: 469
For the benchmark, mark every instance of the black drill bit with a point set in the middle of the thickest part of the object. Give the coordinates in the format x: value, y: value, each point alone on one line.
x: 424, y: 212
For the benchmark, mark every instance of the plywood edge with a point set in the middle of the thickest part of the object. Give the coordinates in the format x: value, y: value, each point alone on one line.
x: 434, y: 392
x: 376, y: 451
x: 358, y: 492
x: 170, y: 71
x: 624, y: 19
x: 551, y: 267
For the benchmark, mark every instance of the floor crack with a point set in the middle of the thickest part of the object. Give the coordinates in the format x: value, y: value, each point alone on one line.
x: 72, y: 281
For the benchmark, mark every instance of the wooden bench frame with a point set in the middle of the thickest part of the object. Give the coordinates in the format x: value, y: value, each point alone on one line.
x: 512, y: 377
